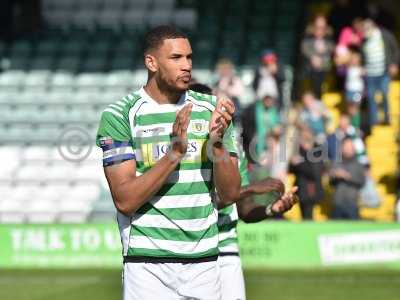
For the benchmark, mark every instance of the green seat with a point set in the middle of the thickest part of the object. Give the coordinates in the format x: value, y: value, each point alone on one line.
x: 69, y: 64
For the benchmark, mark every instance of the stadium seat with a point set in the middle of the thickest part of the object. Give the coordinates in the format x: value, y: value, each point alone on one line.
x: 37, y: 80
x: 185, y: 18
x: 134, y: 19
x: 159, y: 17
x: 35, y: 153
x: 57, y: 19
x: 11, y: 81
x: 12, y: 211
x: 62, y: 82
x: 89, y: 82
x: 164, y: 4
x: 110, y: 19
x: 139, y: 4
x: 43, y: 211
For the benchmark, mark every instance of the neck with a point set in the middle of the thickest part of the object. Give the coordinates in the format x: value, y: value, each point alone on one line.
x: 160, y: 93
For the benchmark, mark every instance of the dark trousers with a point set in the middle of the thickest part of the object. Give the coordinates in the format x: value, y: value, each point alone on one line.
x: 317, y: 78
x: 345, y: 211
x: 377, y: 84
x: 306, y: 208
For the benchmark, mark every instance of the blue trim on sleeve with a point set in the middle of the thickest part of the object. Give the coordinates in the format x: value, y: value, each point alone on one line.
x: 116, y: 144
x: 117, y: 159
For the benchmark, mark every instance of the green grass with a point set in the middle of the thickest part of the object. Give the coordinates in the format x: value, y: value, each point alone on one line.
x: 266, y: 284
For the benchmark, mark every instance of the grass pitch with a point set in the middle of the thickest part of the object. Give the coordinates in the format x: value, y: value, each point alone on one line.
x: 267, y: 284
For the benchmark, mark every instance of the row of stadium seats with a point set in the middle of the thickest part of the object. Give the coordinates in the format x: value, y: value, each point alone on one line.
x: 121, y: 18
x: 117, y: 81
x: 38, y: 185
x: 97, y: 47
x: 65, y: 5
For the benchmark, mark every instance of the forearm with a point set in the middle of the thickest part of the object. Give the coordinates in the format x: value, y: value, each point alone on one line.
x: 250, y: 211
x: 226, y: 176
x: 131, y: 194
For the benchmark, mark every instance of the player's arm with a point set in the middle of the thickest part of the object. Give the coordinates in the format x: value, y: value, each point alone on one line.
x: 225, y: 166
x: 250, y: 212
x: 129, y: 191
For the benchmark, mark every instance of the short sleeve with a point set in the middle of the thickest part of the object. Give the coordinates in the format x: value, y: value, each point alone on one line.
x: 229, y: 141
x: 244, y: 174
x: 114, y: 138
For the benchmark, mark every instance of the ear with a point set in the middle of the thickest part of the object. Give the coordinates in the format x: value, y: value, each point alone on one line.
x: 151, y: 62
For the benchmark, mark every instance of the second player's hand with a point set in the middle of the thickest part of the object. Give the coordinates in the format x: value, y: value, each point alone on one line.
x: 268, y: 185
x: 179, y: 132
x: 286, y: 202
x: 221, y: 118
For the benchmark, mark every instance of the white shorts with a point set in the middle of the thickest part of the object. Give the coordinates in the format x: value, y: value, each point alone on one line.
x: 232, y: 279
x: 171, y: 281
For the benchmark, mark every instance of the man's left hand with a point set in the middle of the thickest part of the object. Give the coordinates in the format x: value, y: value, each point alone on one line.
x: 221, y: 118
x: 286, y: 202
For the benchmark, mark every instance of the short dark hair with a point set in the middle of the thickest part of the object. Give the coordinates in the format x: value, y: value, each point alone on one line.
x: 154, y: 38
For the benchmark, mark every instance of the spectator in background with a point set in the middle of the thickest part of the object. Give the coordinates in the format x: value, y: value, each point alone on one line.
x: 346, y: 131
x: 228, y: 84
x: 350, y: 39
x: 314, y: 116
x: 382, y: 56
x: 268, y: 77
x: 258, y: 120
x: 343, y: 12
x: 317, y: 48
x: 347, y: 177
x: 273, y: 159
x: 354, y: 86
x: 308, y: 167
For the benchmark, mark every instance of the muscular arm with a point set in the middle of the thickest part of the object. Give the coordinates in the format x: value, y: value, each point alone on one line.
x: 226, y: 176
x: 129, y: 191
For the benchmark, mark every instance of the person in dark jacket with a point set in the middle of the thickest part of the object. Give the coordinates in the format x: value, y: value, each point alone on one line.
x: 308, y: 167
x: 317, y: 49
x: 347, y: 177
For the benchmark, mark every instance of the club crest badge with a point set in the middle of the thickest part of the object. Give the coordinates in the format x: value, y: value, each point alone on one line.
x: 199, y: 127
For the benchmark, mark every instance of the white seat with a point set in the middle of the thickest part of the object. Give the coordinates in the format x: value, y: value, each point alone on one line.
x: 37, y: 80
x: 32, y: 172
x: 140, y: 77
x: 12, y: 211
x: 72, y: 210
x: 10, y: 156
x: 62, y: 81
x: 41, y: 211
x: 61, y: 172
x: 90, y: 82
x: 89, y: 172
x: 36, y: 153
x: 12, y: 80
x: 54, y: 191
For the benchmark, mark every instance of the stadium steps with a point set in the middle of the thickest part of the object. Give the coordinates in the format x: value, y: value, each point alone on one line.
x: 382, y: 150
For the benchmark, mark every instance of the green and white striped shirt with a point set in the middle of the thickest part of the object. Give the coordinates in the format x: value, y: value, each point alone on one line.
x: 228, y: 216
x: 180, y: 221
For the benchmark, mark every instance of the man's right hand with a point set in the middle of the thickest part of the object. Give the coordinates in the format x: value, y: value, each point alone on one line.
x: 179, y: 132
x: 268, y: 185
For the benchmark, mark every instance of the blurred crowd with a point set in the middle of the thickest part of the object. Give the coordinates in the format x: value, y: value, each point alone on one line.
x: 362, y: 57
